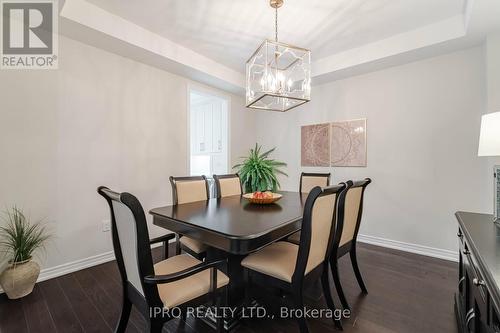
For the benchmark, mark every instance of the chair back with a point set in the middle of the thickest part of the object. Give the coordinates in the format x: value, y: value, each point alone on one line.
x: 351, y: 205
x: 189, y: 189
x: 318, y: 225
x: 227, y: 185
x: 131, y: 242
x: 309, y: 180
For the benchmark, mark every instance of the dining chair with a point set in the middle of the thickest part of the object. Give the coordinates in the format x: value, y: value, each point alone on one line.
x: 289, y: 266
x: 185, y: 190
x: 350, y: 211
x: 180, y: 281
x: 228, y: 185
x: 308, y: 181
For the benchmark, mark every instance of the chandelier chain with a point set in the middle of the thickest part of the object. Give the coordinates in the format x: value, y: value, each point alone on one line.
x: 276, y: 23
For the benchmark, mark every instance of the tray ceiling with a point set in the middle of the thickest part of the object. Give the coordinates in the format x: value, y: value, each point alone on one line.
x: 228, y: 31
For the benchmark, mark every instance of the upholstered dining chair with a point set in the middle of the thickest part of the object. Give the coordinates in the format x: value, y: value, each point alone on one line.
x: 176, y: 282
x: 185, y: 190
x: 289, y: 266
x: 228, y: 185
x: 350, y: 209
x: 308, y: 181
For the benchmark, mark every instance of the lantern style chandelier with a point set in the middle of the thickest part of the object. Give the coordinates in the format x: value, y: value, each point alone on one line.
x: 278, y: 76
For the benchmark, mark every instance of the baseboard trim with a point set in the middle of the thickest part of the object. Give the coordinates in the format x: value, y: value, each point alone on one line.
x: 56, y: 271
x: 77, y: 265
x: 409, y: 247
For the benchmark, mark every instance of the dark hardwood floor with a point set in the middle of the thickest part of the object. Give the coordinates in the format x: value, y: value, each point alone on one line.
x: 407, y: 293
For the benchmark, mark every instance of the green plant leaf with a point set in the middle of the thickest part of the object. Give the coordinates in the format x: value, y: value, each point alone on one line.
x: 19, y: 238
x: 258, y: 172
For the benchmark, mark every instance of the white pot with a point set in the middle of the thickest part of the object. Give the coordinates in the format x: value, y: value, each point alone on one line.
x: 19, y: 279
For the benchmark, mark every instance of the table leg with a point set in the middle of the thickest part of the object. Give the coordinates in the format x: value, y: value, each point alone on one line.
x: 236, y: 289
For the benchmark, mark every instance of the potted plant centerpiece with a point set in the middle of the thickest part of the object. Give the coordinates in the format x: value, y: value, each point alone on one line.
x: 258, y: 173
x: 19, y: 240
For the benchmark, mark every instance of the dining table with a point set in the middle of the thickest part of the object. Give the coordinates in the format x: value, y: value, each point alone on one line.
x: 233, y: 227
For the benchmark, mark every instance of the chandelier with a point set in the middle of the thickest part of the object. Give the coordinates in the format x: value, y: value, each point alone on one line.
x: 278, y: 75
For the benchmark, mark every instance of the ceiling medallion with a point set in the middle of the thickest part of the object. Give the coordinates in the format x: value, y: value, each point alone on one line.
x: 278, y: 75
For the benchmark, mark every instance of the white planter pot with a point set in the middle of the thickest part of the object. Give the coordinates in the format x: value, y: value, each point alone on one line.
x: 19, y: 279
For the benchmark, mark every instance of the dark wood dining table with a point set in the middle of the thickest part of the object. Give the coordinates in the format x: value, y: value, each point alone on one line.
x: 233, y: 227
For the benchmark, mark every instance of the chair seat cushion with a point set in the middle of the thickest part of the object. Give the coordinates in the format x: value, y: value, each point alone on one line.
x: 277, y: 260
x: 294, y: 238
x: 175, y: 293
x: 193, y: 244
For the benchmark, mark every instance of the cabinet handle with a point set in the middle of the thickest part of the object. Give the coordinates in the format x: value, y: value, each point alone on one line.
x: 478, y: 282
x: 220, y: 144
x: 202, y: 146
x: 462, y: 279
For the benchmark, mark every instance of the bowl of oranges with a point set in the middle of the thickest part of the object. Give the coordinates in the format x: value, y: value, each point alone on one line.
x: 262, y: 198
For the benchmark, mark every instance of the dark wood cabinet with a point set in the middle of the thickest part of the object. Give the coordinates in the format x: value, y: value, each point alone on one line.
x: 476, y: 299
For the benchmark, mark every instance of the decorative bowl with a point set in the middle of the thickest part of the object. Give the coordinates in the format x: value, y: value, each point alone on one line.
x: 262, y: 201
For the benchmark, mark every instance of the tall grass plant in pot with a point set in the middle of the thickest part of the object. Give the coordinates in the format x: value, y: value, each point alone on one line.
x: 20, y: 240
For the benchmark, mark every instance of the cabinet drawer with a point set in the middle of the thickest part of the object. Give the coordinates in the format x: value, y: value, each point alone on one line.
x: 477, y: 279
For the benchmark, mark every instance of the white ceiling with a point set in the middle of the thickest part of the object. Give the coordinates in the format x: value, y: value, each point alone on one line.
x: 228, y: 31
x: 209, y: 41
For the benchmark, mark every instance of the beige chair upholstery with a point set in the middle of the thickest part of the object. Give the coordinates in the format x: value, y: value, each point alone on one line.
x: 229, y: 186
x: 307, y: 183
x: 310, y: 182
x: 294, y: 238
x: 184, y: 290
x: 193, y: 244
x: 321, y: 227
x: 279, y: 259
x: 191, y: 191
x: 352, y: 205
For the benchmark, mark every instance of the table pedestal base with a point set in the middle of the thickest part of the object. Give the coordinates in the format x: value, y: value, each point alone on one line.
x: 231, y: 321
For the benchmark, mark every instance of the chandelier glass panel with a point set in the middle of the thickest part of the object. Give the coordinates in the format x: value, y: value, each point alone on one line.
x: 278, y: 76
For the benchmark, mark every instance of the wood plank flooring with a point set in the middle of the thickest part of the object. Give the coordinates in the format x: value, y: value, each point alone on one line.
x: 407, y: 293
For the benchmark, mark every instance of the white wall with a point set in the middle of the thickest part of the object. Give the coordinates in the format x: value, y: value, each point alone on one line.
x: 104, y: 119
x: 423, y: 129
x: 100, y: 119
x: 492, y: 55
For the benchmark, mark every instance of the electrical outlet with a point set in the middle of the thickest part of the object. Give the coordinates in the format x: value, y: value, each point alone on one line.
x: 106, y: 225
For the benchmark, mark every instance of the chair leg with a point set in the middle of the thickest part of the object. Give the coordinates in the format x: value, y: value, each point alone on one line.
x: 298, y: 301
x: 328, y: 297
x: 177, y: 244
x: 355, y: 267
x: 164, y: 252
x: 124, y: 316
x: 154, y: 326
x: 338, y: 284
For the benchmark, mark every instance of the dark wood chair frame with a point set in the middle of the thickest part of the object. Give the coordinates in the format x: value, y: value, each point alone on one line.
x: 350, y: 247
x: 149, y: 281
x: 295, y: 288
x: 175, y: 199
x: 228, y: 176
x: 311, y: 174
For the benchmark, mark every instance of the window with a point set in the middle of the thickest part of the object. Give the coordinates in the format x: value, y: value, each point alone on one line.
x: 208, y: 116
